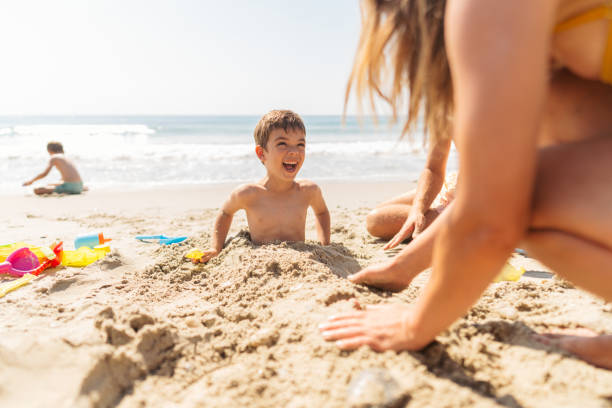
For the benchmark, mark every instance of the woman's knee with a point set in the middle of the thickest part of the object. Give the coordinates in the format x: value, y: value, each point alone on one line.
x: 375, y: 223
x: 385, y: 222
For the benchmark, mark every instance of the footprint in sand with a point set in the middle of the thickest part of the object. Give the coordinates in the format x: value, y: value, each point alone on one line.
x: 62, y: 284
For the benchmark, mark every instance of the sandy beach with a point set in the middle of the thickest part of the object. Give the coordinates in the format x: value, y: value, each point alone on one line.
x: 142, y: 327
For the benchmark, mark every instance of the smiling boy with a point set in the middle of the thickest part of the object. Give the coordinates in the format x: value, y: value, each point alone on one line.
x: 275, y: 206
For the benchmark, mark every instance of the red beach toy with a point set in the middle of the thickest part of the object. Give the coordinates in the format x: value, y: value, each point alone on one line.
x: 53, y: 259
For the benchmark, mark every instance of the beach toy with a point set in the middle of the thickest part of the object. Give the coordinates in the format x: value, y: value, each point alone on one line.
x: 194, y: 254
x: 54, y: 257
x: 509, y: 273
x: 42, y: 253
x: 6, y: 250
x: 24, y: 261
x: 17, y: 283
x: 84, y: 256
x: 160, y: 239
x: 20, y: 262
x: 90, y: 240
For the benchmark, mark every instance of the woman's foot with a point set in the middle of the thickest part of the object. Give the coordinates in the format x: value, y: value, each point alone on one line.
x: 593, y: 349
x: 384, y: 276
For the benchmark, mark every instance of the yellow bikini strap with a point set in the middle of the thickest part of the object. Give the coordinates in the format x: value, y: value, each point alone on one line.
x: 606, y: 66
x: 595, y: 14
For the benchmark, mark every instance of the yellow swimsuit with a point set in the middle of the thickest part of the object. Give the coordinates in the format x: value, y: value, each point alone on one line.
x: 597, y: 13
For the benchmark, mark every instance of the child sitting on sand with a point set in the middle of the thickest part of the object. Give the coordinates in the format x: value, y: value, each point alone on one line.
x: 275, y: 206
x: 72, y: 183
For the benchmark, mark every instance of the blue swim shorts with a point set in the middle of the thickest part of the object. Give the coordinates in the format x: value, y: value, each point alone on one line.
x: 69, y: 188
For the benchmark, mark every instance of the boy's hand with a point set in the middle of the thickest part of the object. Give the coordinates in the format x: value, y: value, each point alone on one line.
x: 27, y: 183
x: 208, y: 255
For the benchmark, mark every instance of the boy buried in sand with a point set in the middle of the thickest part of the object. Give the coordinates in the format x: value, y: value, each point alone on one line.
x: 275, y: 206
x: 72, y: 183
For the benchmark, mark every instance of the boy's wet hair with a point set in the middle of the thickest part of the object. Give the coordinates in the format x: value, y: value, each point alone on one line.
x: 277, y: 119
x: 55, y: 147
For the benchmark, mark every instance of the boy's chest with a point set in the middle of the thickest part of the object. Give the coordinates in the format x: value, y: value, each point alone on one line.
x: 277, y: 218
x: 272, y: 209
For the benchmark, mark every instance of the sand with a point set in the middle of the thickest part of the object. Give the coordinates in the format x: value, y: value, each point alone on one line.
x: 144, y: 328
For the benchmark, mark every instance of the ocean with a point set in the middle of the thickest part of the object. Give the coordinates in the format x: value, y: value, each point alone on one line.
x: 117, y: 152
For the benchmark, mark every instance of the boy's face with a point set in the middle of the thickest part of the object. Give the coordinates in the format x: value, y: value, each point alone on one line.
x: 284, y: 154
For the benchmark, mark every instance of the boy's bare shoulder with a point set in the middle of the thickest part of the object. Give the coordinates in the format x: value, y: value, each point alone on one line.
x: 309, y: 189
x: 247, y: 191
x: 308, y: 185
x: 59, y: 159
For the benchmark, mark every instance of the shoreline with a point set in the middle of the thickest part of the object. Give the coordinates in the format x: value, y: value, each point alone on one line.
x: 349, y: 194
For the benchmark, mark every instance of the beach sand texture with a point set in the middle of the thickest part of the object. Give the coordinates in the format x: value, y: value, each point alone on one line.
x: 142, y: 327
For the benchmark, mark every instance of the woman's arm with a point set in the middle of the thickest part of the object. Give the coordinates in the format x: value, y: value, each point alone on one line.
x: 429, y: 185
x: 498, y: 53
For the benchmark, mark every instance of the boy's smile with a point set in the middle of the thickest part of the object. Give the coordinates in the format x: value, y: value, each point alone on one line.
x: 290, y: 166
x: 284, y: 153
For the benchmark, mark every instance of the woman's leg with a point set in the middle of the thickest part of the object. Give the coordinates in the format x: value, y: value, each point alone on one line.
x: 385, y: 222
x: 388, y: 217
x: 571, y: 207
x: 592, y: 349
x: 571, y: 229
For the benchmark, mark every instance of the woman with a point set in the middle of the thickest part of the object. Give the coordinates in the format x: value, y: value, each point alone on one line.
x: 555, y: 201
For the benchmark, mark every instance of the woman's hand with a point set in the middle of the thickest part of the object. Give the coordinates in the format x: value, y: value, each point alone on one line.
x: 387, y: 275
x: 381, y: 327
x: 414, y: 225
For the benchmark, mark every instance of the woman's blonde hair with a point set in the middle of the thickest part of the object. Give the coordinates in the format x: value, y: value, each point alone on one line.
x: 409, y: 33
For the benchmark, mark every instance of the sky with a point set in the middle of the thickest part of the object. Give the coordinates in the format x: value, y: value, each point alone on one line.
x: 124, y: 57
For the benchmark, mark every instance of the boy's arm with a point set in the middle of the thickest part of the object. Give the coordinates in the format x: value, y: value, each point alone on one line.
x: 322, y: 215
x: 41, y: 175
x: 222, y: 225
